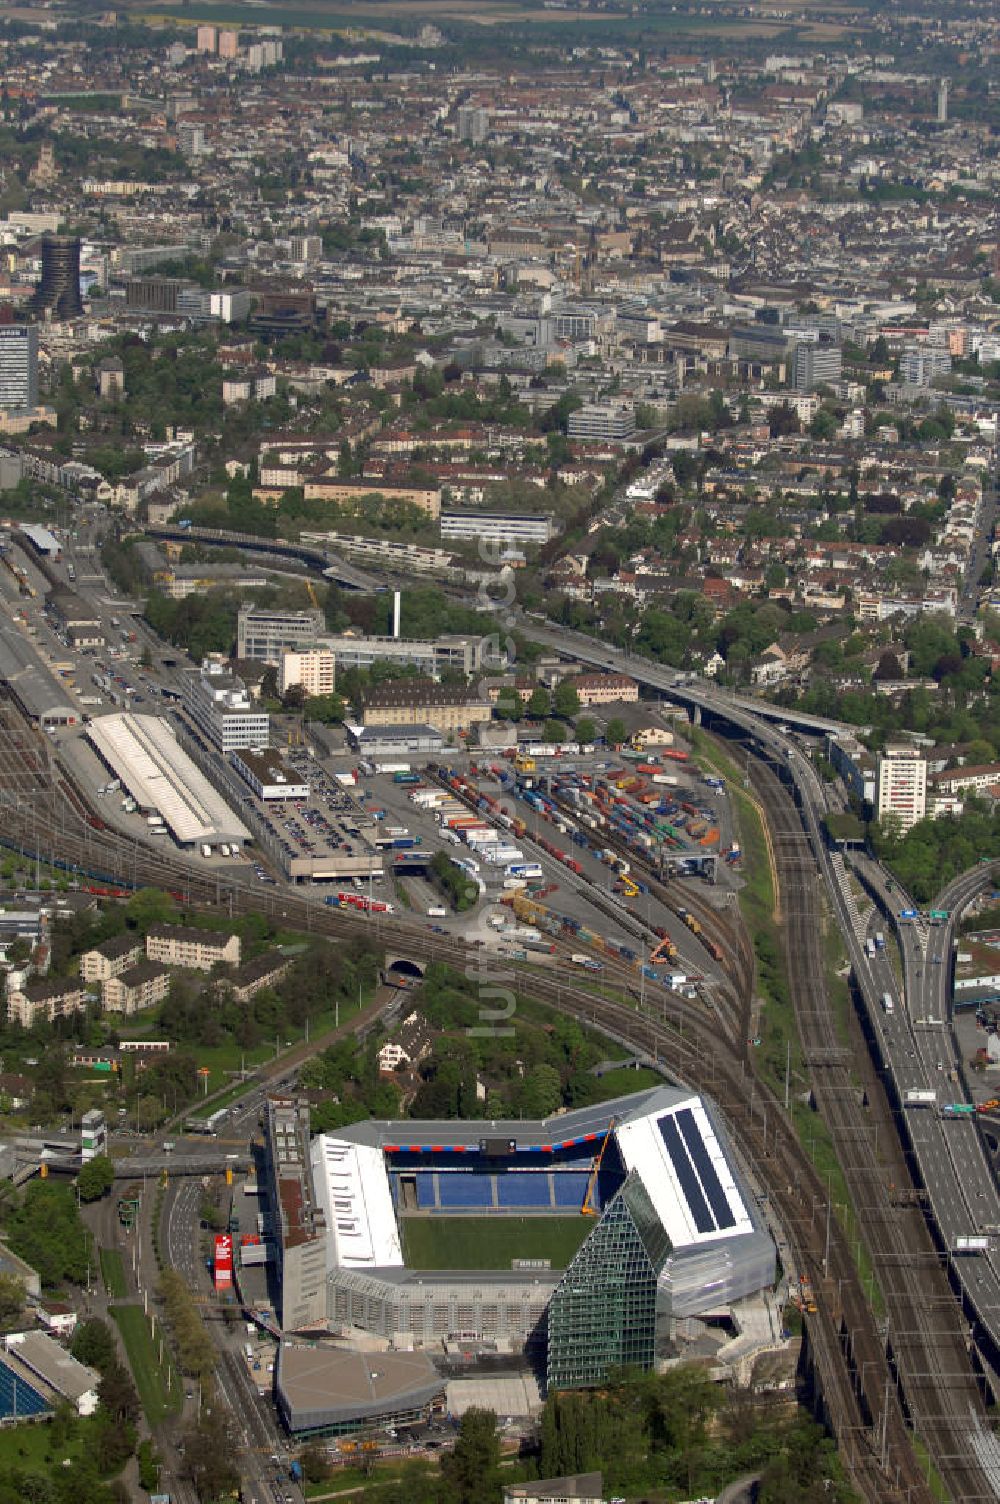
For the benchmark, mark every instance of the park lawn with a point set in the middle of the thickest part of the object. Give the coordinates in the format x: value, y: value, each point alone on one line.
x: 30, y: 1446
x: 151, y: 1377
x: 113, y: 1274
x: 447, y: 1242
x: 621, y: 1082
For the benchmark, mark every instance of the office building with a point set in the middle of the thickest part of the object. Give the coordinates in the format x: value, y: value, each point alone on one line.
x: 497, y: 527
x: 901, y: 785
x: 599, y: 420
x: 18, y: 367
x: 464, y: 654
x: 218, y: 702
x: 301, y: 1220
x: 264, y: 635
x: 58, y: 291
x: 270, y: 778
x: 312, y: 671
x: 421, y: 702
x: 816, y: 363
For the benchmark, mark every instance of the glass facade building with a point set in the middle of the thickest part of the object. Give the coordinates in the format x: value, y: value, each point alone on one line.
x: 603, y: 1314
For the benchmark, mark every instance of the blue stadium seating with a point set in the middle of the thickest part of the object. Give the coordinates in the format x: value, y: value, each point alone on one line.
x: 571, y: 1187
x: 464, y: 1190
x: 18, y: 1398
x: 426, y: 1199
x: 529, y: 1190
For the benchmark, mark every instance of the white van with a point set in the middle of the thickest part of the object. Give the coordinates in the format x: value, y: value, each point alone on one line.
x: 437, y: 912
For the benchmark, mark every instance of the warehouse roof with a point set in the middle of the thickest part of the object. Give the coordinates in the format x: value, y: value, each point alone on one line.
x: 144, y: 753
x: 41, y: 695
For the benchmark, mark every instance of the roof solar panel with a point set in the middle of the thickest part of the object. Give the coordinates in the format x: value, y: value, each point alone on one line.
x: 697, y: 1204
x: 712, y: 1186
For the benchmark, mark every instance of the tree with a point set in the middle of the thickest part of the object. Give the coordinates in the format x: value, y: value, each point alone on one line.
x: 12, y: 1297
x: 585, y: 730
x: 540, y: 704
x: 823, y: 425
x: 473, y: 1468
x: 616, y: 731
x: 95, y: 1178
x: 116, y: 1393
x: 315, y: 1464
x: 565, y: 700
x: 554, y: 731
x: 94, y: 1344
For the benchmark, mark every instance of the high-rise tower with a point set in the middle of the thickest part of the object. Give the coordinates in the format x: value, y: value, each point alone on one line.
x: 942, y: 101
x: 59, y: 288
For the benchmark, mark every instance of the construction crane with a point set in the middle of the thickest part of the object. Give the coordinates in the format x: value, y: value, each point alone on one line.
x: 588, y: 1209
x: 312, y: 592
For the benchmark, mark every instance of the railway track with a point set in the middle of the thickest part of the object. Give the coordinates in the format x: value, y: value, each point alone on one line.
x: 859, y: 1398
x: 920, y: 1361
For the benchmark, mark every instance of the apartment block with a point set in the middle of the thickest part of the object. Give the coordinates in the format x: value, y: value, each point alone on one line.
x: 199, y: 950
x: 112, y: 958
x: 901, y: 784
x: 140, y: 987
x: 313, y: 670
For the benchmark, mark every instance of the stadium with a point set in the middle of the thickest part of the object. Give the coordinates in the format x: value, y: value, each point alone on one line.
x: 580, y: 1239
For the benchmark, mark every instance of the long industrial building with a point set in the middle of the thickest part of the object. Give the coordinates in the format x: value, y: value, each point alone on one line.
x: 143, y: 752
x: 674, y: 1233
x: 39, y: 694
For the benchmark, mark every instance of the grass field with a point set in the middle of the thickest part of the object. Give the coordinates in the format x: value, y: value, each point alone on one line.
x: 490, y: 1242
x: 150, y: 1375
x: 113, y: 1274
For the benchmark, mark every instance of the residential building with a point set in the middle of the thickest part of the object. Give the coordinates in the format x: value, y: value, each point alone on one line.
x: 426, y: 499
x: 421, y: 702
x: 602, y: 421
x: 965, y: 780
x: 265, y: 635
x: 605, y: 689
x: 219, y: 704
x: 111, y: 958
x: 901, y: 784
x: 199, y: 950
x: 36, y: 1001
x: 207, y: 39
x: 229, y: 44
x: 18, y: 366
x: 140, y: 987
x: 581, y: 1488
x: 312, y: 670
x: 254, y: 976
x: 473, y: 124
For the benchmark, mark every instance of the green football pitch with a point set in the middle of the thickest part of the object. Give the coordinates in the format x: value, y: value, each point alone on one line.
x: 490, y: 1242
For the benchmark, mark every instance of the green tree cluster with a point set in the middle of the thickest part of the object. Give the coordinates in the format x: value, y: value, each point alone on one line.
x: 46, y: 1231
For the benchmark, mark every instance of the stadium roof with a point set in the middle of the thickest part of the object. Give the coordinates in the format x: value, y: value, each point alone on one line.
x: 351, y: 1184
x: 665, y: 1135
x: 687, y: 1177
x: 465, y: 1136
x: 145, y: 754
